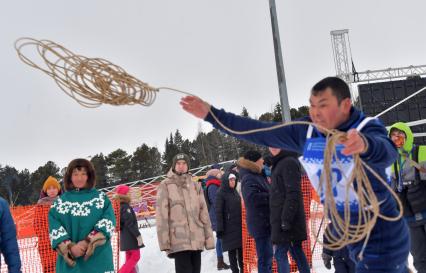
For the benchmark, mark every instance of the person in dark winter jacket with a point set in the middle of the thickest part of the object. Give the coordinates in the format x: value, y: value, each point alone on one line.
x: 130, y: 237
x: 331, y: 107
x: 341, y: 260
x: 255, y: 190
x: 228, y: 217
x: 288, y: 224
x: 213, y: 182
x: 8, y: 244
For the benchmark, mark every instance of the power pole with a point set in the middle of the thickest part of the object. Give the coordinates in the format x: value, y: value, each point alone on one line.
x: 279, y: 63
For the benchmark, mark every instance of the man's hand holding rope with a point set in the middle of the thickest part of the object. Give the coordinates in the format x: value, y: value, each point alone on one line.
x: 354, y: 143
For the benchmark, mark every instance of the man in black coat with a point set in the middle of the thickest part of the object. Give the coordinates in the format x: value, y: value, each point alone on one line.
x: 288, y: 224
x: 228, y: 220
x: 255, y: 190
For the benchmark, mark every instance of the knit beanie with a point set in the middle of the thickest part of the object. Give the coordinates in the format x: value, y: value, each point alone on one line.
x: 122, y: 189
x: 252, y: 156
x: 180, y: 156
x: 51, y: 181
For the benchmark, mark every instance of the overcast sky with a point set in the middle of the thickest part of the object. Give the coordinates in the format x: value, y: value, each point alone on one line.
x: 221, y: 50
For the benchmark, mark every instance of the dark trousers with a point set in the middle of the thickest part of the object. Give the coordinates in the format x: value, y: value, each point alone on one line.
x: 343, y: 265
x: 234, y: 255
x: 264, y: 254
x: 296, y: 251
x: 418, y: 247
x: 187, y: 261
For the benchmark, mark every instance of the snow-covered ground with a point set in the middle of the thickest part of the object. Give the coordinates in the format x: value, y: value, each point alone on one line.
x: 152, y: 260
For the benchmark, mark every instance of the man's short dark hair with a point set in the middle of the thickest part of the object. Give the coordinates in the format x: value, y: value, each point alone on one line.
x: 339, y: 88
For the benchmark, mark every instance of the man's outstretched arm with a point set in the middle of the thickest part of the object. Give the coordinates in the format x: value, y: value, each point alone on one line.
x: 290, y: 137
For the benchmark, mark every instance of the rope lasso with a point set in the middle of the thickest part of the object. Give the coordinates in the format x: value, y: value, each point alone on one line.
x: 94, y: 81
x: 89, y: 81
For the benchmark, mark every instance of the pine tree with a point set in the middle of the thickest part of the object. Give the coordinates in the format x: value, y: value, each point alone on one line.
x: 101, y: 170
x: 145, y: 162
x: 118, y: 163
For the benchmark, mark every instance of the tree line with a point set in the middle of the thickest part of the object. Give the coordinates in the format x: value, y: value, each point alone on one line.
x: 23, y: 187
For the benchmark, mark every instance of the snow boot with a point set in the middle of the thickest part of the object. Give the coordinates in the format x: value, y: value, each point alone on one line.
x: 221, y: 264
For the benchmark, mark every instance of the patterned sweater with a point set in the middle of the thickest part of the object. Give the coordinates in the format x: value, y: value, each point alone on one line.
x: 72, y: 217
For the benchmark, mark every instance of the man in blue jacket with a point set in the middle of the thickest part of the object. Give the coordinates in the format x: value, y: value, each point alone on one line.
x: 255, y: 190
x: 331, y: 107
x: 8, y: 244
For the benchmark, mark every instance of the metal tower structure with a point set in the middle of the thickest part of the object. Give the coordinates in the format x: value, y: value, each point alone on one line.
x: 341, y: 47
x: 345, y: 69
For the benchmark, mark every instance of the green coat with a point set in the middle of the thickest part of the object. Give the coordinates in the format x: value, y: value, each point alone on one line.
x: 72, y: 217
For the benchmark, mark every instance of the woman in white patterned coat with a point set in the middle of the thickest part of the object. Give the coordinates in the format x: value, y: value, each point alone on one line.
x: 81, y: 223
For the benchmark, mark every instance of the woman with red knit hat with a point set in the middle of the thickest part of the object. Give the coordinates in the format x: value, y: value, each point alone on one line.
x: 130, y: 237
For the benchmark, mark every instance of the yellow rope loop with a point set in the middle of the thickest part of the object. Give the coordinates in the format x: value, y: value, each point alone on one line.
x: 89, y: 81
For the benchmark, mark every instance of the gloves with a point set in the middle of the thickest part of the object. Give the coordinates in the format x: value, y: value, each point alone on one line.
x: 140, y: 241
x: 94, y: 241
x: 79, y: 249
x: 63, y: 249
x: 219, y: 234
x: 327, y: 260
x: 285, y: 226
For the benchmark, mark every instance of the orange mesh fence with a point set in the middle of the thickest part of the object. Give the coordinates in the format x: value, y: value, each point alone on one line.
x: 33, y: 239
x: 249, y: 247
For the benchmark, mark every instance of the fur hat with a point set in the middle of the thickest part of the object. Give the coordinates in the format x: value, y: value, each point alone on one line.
x: 252, y: 156
x: 122, y: 189
x: 51, y: 182
x: 213, y: 172
x: 180, y: 156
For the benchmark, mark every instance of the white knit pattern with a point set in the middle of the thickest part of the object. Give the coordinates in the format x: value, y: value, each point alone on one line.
x: 79, y: 209
x: 57, y: 233
x: 107, y: 224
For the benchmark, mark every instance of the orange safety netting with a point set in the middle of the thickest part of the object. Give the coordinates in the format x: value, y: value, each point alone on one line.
x: 249, y: 247
x: 33, y: 238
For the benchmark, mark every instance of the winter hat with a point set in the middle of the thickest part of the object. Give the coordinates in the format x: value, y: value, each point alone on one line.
x: 268, y: 160
x: 51, y: 182
x: 122, y: 189
x: 252, y: 156
x: 213, y: 172
x: 215, y: 166
x: 232, y: 176
x: 180, y: 156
